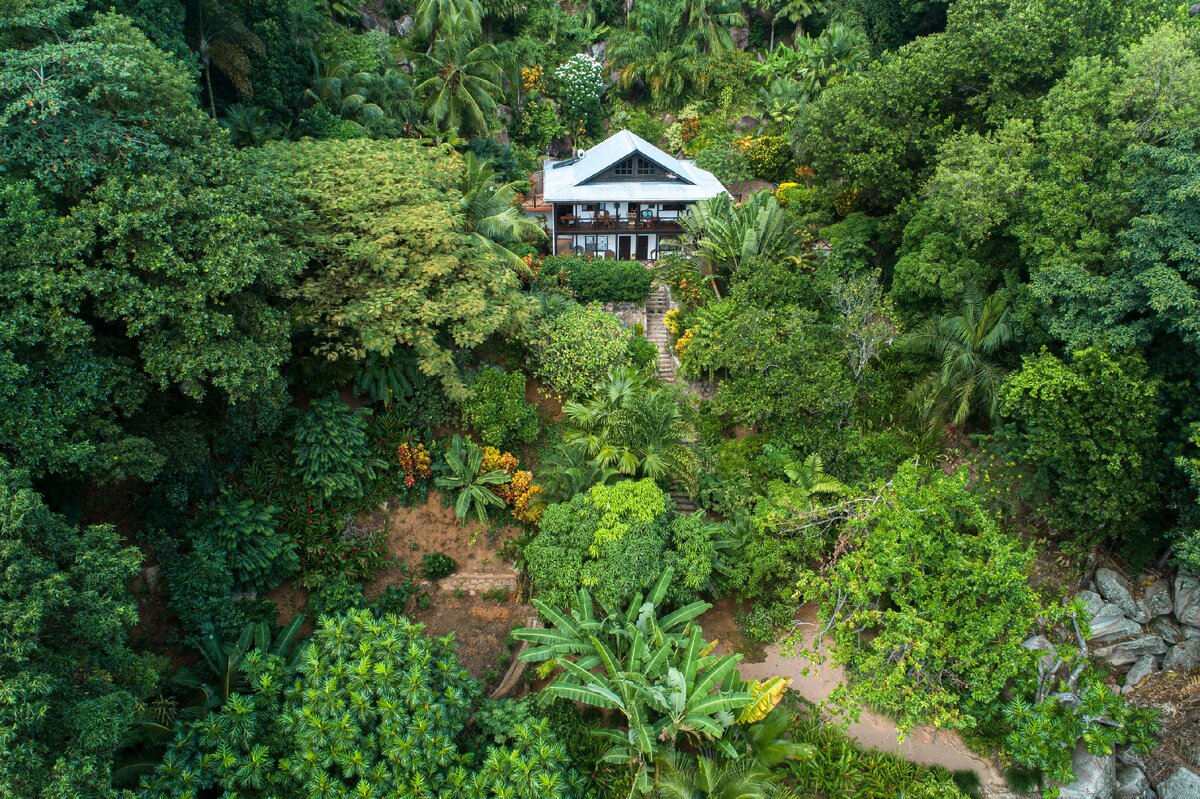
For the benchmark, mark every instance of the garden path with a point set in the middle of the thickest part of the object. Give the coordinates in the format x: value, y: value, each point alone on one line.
x: 925, y: 745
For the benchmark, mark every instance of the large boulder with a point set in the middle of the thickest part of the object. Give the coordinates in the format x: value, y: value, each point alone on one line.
x: 1117, y: 590
x: 1187, y: 599
x: 1131, y: 783
x: 1124, y: 653
x: 1166, y: 628
x: 1157, y: 598
x: 1183, y: 784
x: 1184, y: 656
x: 1095, y: 777
x: 1140, y: 671
x: 1110, y: 623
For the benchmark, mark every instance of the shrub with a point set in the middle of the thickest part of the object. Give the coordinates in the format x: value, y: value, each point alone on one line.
x: 257, y: 552
x: 497, y: 409
x: 574, y: 350
x: 579, y: 83
x: 606, y: 280
x: 768, y: 158
x: 332, y: 450
x: 641, y: 352
x: 435, y: 565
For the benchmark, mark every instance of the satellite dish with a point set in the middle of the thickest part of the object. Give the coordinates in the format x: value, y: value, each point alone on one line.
x: 580, y: 153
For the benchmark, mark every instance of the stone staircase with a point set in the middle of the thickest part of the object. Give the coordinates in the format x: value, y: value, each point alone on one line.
x: 657, y: 306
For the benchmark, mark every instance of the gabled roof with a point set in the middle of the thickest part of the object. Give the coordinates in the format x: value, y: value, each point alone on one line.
x: 571, y: 180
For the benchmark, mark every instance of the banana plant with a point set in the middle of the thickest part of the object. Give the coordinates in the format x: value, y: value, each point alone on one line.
x: 657, y: 673
x: 463, y: 462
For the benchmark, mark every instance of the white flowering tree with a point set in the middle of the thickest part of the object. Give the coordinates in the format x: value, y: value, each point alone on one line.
x: 580, y: 84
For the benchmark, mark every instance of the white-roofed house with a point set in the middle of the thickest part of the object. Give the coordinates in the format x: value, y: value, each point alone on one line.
x: 621, y: 199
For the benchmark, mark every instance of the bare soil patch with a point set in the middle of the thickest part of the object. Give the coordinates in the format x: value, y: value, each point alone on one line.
x: 1177, y: 697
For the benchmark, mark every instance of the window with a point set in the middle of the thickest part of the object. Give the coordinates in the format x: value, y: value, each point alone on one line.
x: 587, y: 209
x: 673, y: 207
x: 595, y: 244
x: 624, y: 168
x: 644, y: 167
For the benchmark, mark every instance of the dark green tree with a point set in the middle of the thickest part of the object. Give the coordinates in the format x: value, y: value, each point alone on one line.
x: 70, y: 682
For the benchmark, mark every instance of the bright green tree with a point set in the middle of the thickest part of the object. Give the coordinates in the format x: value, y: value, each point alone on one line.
x: 463, y: 80
x: 1087, y: 427
x: 373, y: 707
x: 929, y: 605
x: 392, y: 265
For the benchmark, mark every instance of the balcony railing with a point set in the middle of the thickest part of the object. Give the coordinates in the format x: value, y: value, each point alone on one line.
x: 567, y: 224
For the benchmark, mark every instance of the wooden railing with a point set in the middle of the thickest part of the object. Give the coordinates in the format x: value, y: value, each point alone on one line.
x: 617, y: 224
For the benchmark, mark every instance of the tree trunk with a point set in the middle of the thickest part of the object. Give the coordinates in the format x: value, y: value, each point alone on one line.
x: 212, y: 104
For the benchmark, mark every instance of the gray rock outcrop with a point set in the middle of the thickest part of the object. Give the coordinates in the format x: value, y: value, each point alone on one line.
x: 1131, y: 783
x: 1095, y: 777
x: 1183, y: 784
x: 1187, y: 599
x: 1117, y: 590
x: 1184, y: 656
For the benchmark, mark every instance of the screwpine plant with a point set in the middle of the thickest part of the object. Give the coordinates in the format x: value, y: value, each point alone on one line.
x: 471, y: 483
x: 373, y: 707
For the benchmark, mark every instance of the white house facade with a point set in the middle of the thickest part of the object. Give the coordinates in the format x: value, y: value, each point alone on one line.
x: 621, y: 199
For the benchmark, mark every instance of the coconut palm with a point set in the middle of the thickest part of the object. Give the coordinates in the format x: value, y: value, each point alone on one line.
x: 490, y: 212
x: 967, y: 381
x: 710, y: 21
x: 461, y: 90
x: 659, y: 52
x: 433, y: 15
x: 712, y: 776
x: 719, y: 236
x: 796, y: 11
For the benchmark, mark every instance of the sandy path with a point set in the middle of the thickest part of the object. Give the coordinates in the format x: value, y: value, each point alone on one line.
x: 923, y: 745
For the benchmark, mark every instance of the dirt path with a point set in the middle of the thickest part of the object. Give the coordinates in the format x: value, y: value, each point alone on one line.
x: 923, y: 745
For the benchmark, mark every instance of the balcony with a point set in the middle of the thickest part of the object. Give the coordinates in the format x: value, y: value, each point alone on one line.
x: 617, y: 224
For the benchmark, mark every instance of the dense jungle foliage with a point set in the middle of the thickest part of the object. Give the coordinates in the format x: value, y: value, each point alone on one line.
x: 264, y: 273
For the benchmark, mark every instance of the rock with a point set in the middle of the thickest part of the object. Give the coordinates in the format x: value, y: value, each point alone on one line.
x: 1190, y: 632
x: 1092, y: 602
x: 1166, y: 629
x: 1187, y: 599
x: 1183, y: 784
x: 1110, y: 623
x: 1123, y: 653
x: 1117, y: 590
x: 1157, y: 598
x: 1131, y: 783
x: 1184, y: 656
x: 1140, y: 671
x: 1127, y: 757
x: 1040, y: 643
x: 1095, y: 777
x: 150, y: 575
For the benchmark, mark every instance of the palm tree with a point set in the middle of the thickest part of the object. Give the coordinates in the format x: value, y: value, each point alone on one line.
x: 568, y: 471
x: 343, y: 90
x: 461, y: 90
x: 796, y: 11
x: 809, y: 478
x: 490, y: 212
x: 248, y: 125
x: 781, y: 102
x: 967, y: 381
x: 634, y: 427
x: 223, y: 41
x: 839, y: 51
x: 719, y: 236
x: 659, y: 52
x: 434, y: 15
x: 710, y: 22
